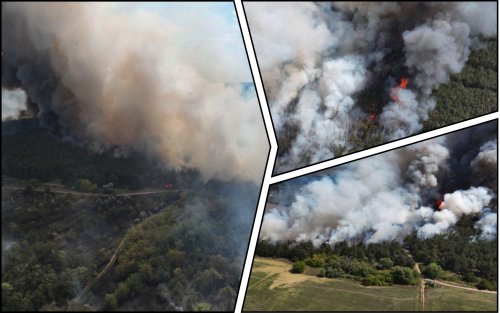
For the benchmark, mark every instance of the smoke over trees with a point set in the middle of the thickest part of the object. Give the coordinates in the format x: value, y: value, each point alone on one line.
x: 124, y: 80
x: 338, y: 65
x: 166, y: 91
x: 424, y: 188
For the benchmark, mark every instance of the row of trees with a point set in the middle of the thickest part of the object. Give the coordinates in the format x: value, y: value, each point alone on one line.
x: 474, y: 261
x: 381, y: 273
x: 57, y: 159
x: 306, y: 251
x: 457, y: 255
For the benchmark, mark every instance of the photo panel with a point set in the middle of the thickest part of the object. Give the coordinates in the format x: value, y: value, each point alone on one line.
x: 342, y: 77
x: 133, y: 155
x: 413, y: 228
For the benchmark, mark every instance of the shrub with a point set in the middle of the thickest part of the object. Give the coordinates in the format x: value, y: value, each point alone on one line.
x: 317, y: 260
x: 372, y: 280
x: 298, y: 267
x: 85, y: 185
x: 485, y: 284
x: 321, y: 273
x: 433, y: 271
x: 111, y: 302
x: 385, y: 263
x: 404, y: 276
x: 334, y: 273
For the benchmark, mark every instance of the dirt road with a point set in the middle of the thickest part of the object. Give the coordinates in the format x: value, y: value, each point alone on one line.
x: 110, y: 263
x: 125, y: 194
x: 102, y: 273
x: 422, y: 282
x: 462, y: 287
x: 422, y: 288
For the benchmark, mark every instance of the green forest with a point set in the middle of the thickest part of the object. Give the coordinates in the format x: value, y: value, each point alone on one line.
x: 470, y: 93
x: 178, y: 249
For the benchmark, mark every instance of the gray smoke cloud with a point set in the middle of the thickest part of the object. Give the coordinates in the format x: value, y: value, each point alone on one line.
x: 125, y: 79
x: 488, y: 226
x: 435, y: 51
x: 486, y: 159
x: 316, y: 59
x: 383, y: 197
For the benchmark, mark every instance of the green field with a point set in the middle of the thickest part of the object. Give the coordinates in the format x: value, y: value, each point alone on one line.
x: 453, y: 299
x: 322, y: 294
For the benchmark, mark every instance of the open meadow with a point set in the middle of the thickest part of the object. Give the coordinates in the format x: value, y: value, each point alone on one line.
x: 273, y: 287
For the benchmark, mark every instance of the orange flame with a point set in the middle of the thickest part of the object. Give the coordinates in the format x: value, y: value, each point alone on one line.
x: 403, y: 83
x: 372, y: 116
x: 440, y: 204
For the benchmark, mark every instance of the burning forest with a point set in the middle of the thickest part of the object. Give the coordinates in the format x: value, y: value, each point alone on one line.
x: 420, y: 220
x: 339, y: 66
x: 118, y: 79
x: 134, y: 182
x: 424, y: 188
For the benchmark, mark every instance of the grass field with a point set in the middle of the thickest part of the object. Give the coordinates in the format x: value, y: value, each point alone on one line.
x: 314, y: 293
x: 272, y: 287
x: 454, y: 299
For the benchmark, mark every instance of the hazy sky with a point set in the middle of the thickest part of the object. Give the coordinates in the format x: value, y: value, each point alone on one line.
x: 218, y: 24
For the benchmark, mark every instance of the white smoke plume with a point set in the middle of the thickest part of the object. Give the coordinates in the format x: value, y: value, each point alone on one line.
x: 317, y: 59
x: 403, y: 117
x: 13, y: 102
x: 456, y: 204
x: 486, y: 160
x: 118, y: 78
x: 381, y: 198
x: 435, y: 51
x: 488, y: 226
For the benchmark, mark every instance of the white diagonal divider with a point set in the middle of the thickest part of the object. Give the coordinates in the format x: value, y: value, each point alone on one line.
x: 269, y: 179
x: 272, y: 154
x: 382, y: 148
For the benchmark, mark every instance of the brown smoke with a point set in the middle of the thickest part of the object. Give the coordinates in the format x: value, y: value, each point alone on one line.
x: 130, y: 79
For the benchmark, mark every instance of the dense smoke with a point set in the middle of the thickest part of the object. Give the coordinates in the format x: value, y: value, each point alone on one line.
x: 488, y: 226
x: 486, y: 159
x: 390, y: 195
x: 317, y: 60
x: 119, y: 79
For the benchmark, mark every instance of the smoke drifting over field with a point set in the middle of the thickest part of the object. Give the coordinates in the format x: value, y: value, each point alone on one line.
x: 318, y: 59
x: 119, y: 79
x: 425, y: 187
